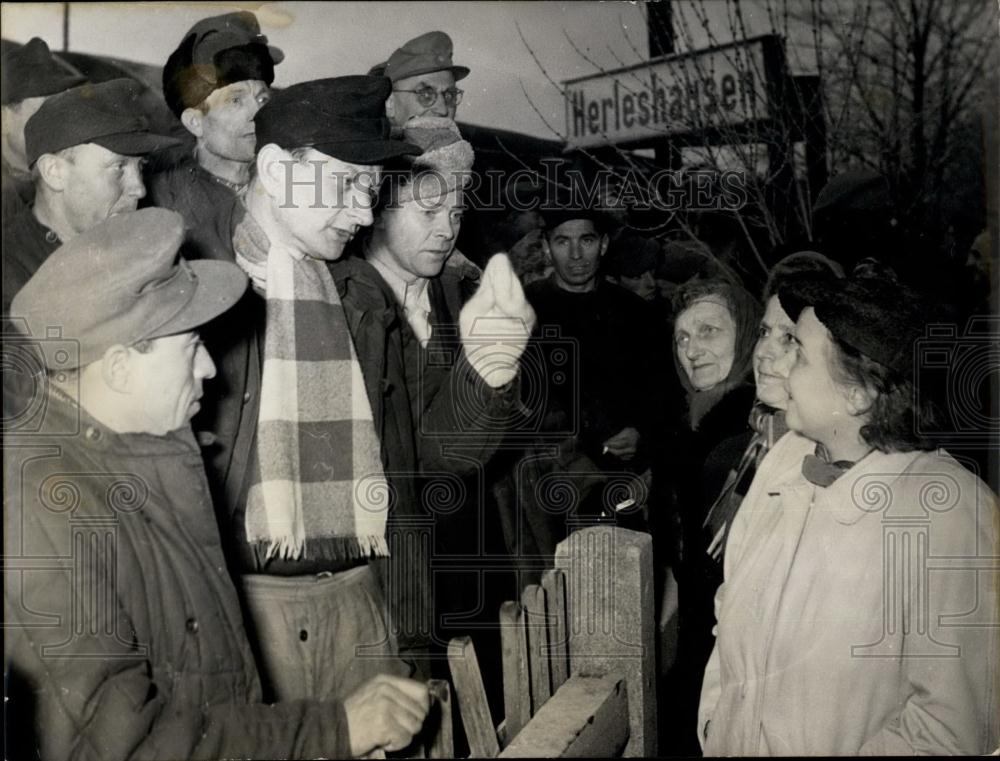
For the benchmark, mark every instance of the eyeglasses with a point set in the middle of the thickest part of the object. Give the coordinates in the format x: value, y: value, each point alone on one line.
x: 427, y: 96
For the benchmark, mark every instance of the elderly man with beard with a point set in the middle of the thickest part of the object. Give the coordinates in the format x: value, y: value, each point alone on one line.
x: 215, y: 81
x: 85, y: 147
x: 306, y: 436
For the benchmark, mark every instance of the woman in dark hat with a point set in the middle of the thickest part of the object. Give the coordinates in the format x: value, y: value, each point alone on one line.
x: 852, y: 620
x: 714, y: 333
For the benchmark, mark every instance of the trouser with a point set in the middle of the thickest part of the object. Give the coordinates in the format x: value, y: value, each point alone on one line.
x: 320, y: 637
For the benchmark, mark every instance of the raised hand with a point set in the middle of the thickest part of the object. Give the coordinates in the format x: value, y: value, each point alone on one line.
x: 496, y: 322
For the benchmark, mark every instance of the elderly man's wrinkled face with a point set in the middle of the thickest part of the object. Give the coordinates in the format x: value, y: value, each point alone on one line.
x: 227, y: 128
x: 705, y: 337
x: 419, y: 232
x: 97, y: 183
x: 168, y: 375
x: 431, y: 94
x: 324, y: 202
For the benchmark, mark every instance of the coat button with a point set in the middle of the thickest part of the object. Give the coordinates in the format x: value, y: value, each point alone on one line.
x: 92, y: 433
x: 51, y: 237
x: 303, y: 635
x: 246, y: 397
x: 192, y: 625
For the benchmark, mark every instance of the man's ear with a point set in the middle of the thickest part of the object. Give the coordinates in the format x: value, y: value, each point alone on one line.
x: 273, y: 165
x: 860, y: 399
x: 192, y: 118
x: 390, y: 107
x: 52, y: 170
x: 116, y: 368
x: 545, y: 247
x: 604, y: 245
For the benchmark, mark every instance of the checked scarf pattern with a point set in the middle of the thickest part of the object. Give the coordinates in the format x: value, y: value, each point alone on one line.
x: 317, y: 478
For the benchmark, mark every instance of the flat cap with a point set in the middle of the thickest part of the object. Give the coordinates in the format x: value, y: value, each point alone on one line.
x: 31, y: 71
x: 877, y: 317
x: 343, y: 117
x: 121, y: 282
x: 421, y: 55
x: 108, y: 114
x: 217, y: 52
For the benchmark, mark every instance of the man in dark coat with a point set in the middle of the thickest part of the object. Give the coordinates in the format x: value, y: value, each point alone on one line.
x: 215, y: 81
x: 124, y: 632
x: 86, y: 145
x: 30, y: 74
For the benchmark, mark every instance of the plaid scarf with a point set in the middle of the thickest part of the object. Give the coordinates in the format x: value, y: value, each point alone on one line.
x: 317, y: 480
x: 768, y: 426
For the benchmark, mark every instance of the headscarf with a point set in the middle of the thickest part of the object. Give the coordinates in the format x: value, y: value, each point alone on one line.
x: 745, y: 311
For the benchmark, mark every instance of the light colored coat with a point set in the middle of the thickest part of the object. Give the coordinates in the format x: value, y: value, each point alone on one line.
x: 852, y: 619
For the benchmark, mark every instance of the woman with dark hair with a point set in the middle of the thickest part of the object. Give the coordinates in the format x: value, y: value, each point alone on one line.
x: 853, y: 619
x: 714, y: 331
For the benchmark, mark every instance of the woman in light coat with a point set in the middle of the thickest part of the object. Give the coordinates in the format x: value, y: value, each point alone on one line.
x: 859, y: 609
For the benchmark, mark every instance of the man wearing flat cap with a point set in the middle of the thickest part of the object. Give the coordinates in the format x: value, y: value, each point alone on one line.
x: 30, y: 74
x: 214, y: 82
x: 85, y: 147
x: 128, y: 640
x: 311, y: 436
x: 423, y: 79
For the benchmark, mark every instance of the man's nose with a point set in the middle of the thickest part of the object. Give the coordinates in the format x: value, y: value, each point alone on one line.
x: 439, y: 107
x: 204, y: 366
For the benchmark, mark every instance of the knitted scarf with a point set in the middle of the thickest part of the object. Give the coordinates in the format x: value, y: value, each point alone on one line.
x: 317, y: 480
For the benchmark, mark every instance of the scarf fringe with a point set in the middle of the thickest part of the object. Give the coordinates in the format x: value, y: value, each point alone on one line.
x: 338, y: 548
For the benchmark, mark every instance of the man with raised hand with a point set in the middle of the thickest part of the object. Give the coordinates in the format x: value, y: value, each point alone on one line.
x: 124, y: 635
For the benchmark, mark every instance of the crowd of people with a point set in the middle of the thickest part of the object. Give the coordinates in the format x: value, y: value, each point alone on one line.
x: 247, y: 364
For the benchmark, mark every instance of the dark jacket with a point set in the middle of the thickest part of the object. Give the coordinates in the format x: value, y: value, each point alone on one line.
x: 17, y: 188
x: 126, y: 632
x: 26, y: 244
x: 185, y: 187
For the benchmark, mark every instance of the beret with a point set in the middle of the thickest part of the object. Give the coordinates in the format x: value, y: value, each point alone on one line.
x: 217, y: 52
x: 108, y: 114
x: 421, y: 55
x: 877, y: 317
x: 343, y: 117
x: 31, y: 71
x: 121, y: 282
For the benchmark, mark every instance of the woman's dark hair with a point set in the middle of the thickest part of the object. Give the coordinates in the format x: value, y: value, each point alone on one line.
x: 898, y: 413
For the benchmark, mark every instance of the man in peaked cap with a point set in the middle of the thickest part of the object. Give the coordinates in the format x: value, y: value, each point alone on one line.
x: 214, y: 82
x: 167, y: 670
x: 423, y: 79
x: 85, y: 147
x: 30, y: 74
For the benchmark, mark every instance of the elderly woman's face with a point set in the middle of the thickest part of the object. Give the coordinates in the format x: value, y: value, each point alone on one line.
x: 705, y: 337
x: 774, y: 355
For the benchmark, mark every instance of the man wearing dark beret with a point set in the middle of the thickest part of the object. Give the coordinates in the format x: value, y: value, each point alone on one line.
x: 214, y: 82
x: 107, y: 485
x: 85, y: 147
x: 30, y: 74
x: 423, y: 79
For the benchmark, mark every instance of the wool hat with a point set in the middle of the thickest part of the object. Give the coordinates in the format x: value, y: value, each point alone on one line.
x: 31, y: 71
x: 343, y: 117
x: 877, y: 317
x: 421, y: 55
x: 121, y: 282
x: 108, y: 114
x: 217, y: 52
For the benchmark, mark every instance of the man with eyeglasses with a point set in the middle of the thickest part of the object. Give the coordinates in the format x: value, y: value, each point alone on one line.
x: 423, y: 79
x: 214, y: 82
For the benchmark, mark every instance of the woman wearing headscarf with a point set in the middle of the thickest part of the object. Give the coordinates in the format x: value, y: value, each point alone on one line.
x: 859, y: 612
x: 714, y: 335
